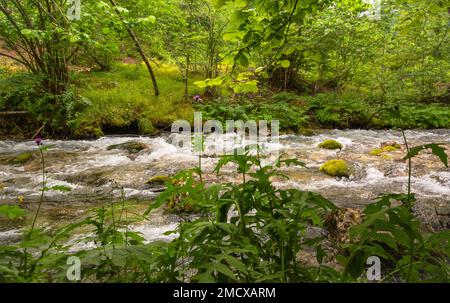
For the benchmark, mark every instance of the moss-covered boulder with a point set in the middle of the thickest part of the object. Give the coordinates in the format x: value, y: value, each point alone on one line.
x: 132, y: 147
x: 376, y: 152
x: 392, y: 145
x: 336, y: 168
x: 385, y: 148
x: 330, y: 144
x: 22, y: 158
x: 157, y: 180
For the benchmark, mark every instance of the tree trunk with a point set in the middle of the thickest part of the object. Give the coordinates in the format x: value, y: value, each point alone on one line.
x: 186, y: 79
x: 139, y: 49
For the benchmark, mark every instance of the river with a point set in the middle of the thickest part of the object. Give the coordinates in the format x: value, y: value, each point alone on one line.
x: 98, y: 175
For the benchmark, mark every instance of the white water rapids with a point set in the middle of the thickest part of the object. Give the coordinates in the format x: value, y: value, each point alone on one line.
x: 88, y: 168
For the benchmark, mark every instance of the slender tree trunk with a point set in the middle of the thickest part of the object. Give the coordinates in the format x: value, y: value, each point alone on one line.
x: 139, y: 49
x: 186, y: 79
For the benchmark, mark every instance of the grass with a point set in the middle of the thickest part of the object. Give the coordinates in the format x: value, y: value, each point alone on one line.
x: 124, y: 99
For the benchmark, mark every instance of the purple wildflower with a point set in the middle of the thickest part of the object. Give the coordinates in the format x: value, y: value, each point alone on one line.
x: 197, y: 98
x: 38, y: 140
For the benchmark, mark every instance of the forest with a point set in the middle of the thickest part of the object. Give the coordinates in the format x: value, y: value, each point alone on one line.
x: 353, y: 184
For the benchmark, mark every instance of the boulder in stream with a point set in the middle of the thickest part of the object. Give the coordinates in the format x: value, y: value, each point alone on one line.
x: 330, y: 144
x: 133, y: 147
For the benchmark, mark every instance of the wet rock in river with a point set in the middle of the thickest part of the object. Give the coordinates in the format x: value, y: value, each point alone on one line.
x: 391, y: 144
x: 330, y: 144
x: 157, y: 180
x: 90, y: 178
x: 19, y: 159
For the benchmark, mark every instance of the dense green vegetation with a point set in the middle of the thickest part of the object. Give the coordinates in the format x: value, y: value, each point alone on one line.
x: 135, y: 67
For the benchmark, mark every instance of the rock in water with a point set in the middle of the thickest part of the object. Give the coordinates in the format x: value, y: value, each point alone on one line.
x: 336, y: 168
x: 330, y: 144
x: 133, y: 147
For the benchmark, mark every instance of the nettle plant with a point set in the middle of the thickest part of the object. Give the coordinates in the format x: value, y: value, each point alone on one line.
x: 249, y: 232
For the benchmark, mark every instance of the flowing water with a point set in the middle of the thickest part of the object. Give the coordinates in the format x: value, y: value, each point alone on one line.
x: 98, y: 175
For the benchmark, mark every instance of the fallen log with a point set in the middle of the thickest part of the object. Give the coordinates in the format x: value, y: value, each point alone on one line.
x: 9, y: 113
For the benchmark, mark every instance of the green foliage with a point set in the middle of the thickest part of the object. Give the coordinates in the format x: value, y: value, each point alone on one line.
x: 290, y: 117
x: 119, y: 103
x: 436, y: 149
x: 247, y: 232
x: 12, y: 211
x: 22, y: 158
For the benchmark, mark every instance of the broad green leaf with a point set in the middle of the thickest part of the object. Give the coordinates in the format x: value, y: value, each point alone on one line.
x: 285, y: 63
x: 11, y: 211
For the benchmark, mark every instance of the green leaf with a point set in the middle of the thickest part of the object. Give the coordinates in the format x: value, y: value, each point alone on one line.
x: 224, y: 270
x: 436, y: 149
x: 243, y: 60
x: 355, y: 265
x: 236, y: 263
x: 60, y: 188
x: 385, y: 238
x: 11, y: 211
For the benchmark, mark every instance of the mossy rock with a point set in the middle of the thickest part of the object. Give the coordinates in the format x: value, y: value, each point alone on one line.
x: 389, y: 148
x: 330, y: 144
x: 376, y: 152
x: 22, y: 158
x: 132, y: 147
x: 158, y: 180
x: 392, y: 145
x: 336, y: 168
x: 385, y: 149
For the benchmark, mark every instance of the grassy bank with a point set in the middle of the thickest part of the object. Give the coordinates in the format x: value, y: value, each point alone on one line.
x: 123, y: 101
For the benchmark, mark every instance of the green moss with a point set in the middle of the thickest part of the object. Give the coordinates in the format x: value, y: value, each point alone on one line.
x: 336, y: 168
x: 389, y: 148
x: 22, y: 158
x: 330, y: 144
x: 87, y: 132
x: 158, y: 180
x: 131, y: 146
x: 131, y: 100
x: 376, y: 152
